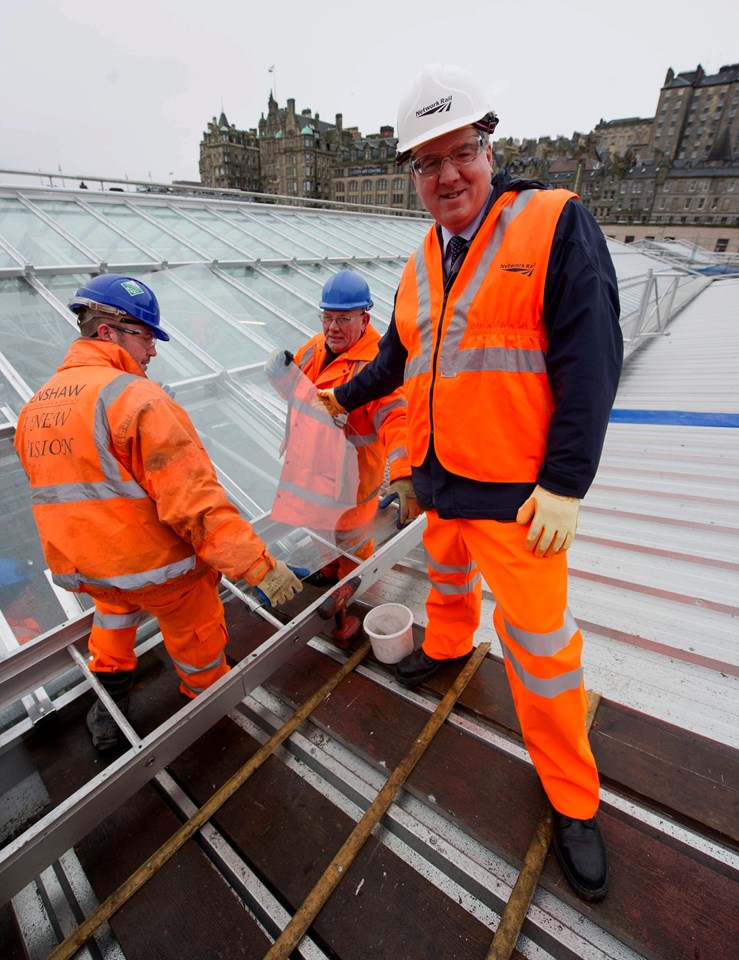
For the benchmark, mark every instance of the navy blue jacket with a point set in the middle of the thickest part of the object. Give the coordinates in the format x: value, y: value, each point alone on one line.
x: 583, y: 361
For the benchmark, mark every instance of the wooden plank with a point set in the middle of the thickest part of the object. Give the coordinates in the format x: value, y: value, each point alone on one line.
x: 695, y: 778
x: 186, y: 910
x: 289, y: 832
x: 496, y: 800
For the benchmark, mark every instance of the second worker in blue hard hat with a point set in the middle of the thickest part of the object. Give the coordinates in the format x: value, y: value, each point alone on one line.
x: 346, y: 342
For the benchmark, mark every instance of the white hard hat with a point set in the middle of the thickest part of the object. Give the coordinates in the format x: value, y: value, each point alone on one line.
x: 441, y: 98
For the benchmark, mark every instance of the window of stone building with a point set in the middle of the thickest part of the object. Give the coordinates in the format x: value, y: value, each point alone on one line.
x: 339, y: 186
x: 714, y: 203
x: 307, y: 186
x: 398, y: 183
x: 623, y: 188
x: 381, y: 198
x: 662, y: 203
x: 722, y: 245
x: 691, y: 186
x: 731, y: 185
x: 701, y: 202
x: 366, y: 186
x: 353, y: 186
x: 382, y: 184
x: 688, y: 202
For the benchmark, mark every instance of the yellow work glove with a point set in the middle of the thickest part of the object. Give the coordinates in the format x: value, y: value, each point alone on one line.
x: 407, y: 501
x: 553, y: 521
x: 279, y: 584
x: 325, y: 400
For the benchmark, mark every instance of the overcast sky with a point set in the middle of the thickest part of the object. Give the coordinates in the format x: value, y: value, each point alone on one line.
x: 127, y: 89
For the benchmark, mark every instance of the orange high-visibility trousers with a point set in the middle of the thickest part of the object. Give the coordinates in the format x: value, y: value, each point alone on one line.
x: 541, y: 643
x: 193, y: 628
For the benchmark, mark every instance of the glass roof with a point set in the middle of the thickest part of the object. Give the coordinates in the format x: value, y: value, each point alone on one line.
x: 235, y: 279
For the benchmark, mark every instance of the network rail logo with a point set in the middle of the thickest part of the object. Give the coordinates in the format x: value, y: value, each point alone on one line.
x: 525, y: 269
x: 442, y: 105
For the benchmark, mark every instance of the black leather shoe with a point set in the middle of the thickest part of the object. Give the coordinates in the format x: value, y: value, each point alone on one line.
x: 419, y: 666
x: 582, y: 854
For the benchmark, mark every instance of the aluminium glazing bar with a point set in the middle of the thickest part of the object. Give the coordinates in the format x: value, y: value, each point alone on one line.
x: 44, y: 842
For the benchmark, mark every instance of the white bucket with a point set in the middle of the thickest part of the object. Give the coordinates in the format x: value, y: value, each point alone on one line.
x: 390, y: 630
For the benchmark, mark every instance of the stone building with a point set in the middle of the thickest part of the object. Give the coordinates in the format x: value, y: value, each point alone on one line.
x: 229, y: 158
x: 673, y: 175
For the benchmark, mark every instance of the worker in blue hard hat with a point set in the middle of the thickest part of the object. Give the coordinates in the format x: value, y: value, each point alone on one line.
x: 127, y: 501
x: 346, y: 342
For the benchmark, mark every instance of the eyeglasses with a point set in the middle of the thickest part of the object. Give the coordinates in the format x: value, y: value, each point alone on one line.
x: 327, y: 319
x: 147, y: 338
x: 430, y: 164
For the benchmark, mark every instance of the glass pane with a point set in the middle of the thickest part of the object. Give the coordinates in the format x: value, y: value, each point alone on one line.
x: 274, y: 236
x: 152, y: 236
x: 241, y: 241
x: 193, y: 310
x: 27, y: 600
x: 214, y: 246
x: 33, y: 336
x: 34, y: 239
x: 108, y: 245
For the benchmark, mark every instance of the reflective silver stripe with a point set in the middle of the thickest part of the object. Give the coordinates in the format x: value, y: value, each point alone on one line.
x: 486, y: 359
x: 312, y: 497
x: 306, y: 409
x: 129, y: 581
x: 119, y: 621
x: 453, y: 359
x: 189, y: 669
x: 450, y: 568
x: 544, y: 644
x: 543, y: 688
x: 307, y: 357
x: 396, y: 454
x: 110, y: 466
x: 75, y: 492
x: 381, y: 415
x: 451, y: 588
x: 362, y: 439
x: 422, y: 363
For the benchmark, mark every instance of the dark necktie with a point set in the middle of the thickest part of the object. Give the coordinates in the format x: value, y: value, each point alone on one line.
x: 456, y: 246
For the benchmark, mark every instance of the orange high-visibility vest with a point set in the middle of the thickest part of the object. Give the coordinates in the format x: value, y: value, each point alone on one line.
x: 475, y: 373
x: 329, y: 481
x: 123, y: 493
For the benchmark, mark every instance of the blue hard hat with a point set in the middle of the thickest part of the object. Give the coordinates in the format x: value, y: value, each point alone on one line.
x: 345, y: 291
x: 122, y: 296
x: 11, y: 572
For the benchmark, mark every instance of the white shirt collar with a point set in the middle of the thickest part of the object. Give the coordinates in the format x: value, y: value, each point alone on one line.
x: 468, y: 232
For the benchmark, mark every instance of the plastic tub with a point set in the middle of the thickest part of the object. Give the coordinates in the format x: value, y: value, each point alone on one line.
x: 390, y: 630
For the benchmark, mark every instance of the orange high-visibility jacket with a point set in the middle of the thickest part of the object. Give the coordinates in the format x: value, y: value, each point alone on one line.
x: 475, y: 372
x: 124, y: 495
x: 331, y: 495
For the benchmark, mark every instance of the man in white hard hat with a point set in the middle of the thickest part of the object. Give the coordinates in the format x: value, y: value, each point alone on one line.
x: 506, y: 338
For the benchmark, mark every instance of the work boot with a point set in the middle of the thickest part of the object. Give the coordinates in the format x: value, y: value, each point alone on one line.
x: 419, y: 666
x: 582, y: 854
x: 106, y: 734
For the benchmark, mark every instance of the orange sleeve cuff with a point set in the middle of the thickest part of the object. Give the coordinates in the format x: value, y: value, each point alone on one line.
x: 256, y: 572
